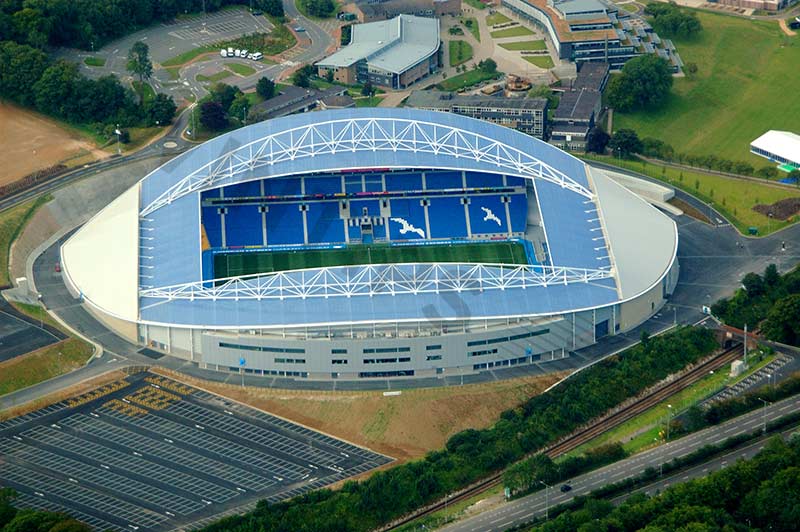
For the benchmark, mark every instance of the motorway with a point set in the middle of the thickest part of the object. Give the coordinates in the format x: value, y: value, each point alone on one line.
x: 533, y: 506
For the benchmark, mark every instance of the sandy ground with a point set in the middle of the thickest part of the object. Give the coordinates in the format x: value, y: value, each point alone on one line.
x: 403, y: 427
x: 32, y: 142
x: 785, y: 29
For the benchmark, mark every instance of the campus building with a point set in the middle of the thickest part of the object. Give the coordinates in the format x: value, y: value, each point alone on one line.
x: 766, y: 5
x: 528, y: 115
x: 372, y: 10
x: 782, y: 147
x: 391, y: 53
x: 579, y: 107
x: 594, y: 31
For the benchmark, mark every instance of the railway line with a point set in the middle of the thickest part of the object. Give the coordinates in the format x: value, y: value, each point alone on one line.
x: 589, y: 431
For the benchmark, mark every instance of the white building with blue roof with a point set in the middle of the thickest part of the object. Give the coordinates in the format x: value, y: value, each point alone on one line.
x: 234, y: 250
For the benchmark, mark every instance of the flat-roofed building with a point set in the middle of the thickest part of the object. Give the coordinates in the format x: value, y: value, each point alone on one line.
x: 528, y: 115
x: 573, y: 118
x: 372, y: 10
x: 391, y: 53
x: 782, y: 147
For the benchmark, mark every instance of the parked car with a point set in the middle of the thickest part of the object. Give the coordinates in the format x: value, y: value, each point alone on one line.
x: 256, y: 56
x: 58, y: 267
x: 237, y: 53
x: 299, y: 29
x: 257, y: 13
x: 230, y: 52
x: 243, y: 53
x: 223, y: 52
x: 565, y: 488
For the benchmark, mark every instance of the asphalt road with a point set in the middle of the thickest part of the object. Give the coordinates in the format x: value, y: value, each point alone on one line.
x: 19, y: 334
x: 535, y: 505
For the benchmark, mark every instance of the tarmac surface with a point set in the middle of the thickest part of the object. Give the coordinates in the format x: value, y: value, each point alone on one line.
x: 20, y: 334
x: 148, y: 453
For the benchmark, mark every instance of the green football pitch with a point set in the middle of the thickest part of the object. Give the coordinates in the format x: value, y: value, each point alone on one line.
x: 247, y: 263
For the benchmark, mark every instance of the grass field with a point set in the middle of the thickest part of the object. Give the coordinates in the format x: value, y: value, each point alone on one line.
x: 185, y: 57
x: 232, y: 264
x: 496, y: 18
x: 541, y: 61
x: 467, y: 79
x: 43, y: 364
x: 242, y: 70
x: 471, y: 24
x: 94, y: 61
x: 371, y: 101
x: 213, y: 78
x: 732, y: 197
x: 11, y: 223
x: 524, y: 45
x: 477, y: 4
x: 746, y: 84
x: 516, y: 31
x: 148, y: 94
x: 459, y: 51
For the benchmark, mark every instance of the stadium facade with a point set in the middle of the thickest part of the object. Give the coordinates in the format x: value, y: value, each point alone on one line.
x: 366, y: 244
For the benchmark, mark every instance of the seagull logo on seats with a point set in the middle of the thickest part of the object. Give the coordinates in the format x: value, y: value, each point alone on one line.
x: 407, y: 227
x: 490, y: 216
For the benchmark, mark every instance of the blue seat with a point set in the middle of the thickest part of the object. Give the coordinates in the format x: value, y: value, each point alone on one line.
x: 447, y: 219
x: 353, y: 184
x: 323, y: 185
x: 324, y: 223
x: 243, y: 226
x: 284, y: 224
x: 412, y: 212
x: 491, y: 222
x: 399, y: 182
x: 250, y: 189
x: 213, y: 225
x: 518, y: 208
x: 443, y: 180
x: 282, y: 186
x: 373, y: 183
x: 514, y: 181
x: 357, y: 208
x: 483, y: 179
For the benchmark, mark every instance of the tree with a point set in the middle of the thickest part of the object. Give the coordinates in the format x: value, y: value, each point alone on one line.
x: 224, y: 94
x: 272, y: 7
x: 671, y: 21
x: 302, y: 77
x: 597, y: 140
x: 265, y: 88
x: 783, y: 321
x: 239, y: 108
x: 543, y: 91
x: 488, y: 65
x: 160, y: 110
x: 367, y: 89
x: 794, y: 174
x: 319, y: 8
x: 20, y: 67
x: 212, y: 116
x: 139, y: 64
x: 644, y: 83
x: 690, y: 69
x: 625, y: 142
x: 54, y: 90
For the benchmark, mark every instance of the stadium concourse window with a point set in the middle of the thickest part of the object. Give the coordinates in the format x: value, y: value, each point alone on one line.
x: 376, y: 350
x: 433, y: 347
x: 481, y: 353
x: 290, y: 360
x: 433, y: 357
x: 384, y: 374
x: 338, y: 351
x: 500, y: 363
x: 264, y: 349
x: 339, y: 361
x: 386, y: 360
x: 508, y: 338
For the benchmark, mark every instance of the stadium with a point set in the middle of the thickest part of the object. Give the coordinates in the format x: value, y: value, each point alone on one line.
x: 367, y: 244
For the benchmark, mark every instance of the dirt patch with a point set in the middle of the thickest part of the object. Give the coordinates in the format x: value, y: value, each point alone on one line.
x: 404, y: 427
x: 781, y: 210
x: 33, y: 142
x: 689, y: 210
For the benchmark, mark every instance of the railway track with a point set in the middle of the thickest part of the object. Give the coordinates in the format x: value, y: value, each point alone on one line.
x: 589, y: 431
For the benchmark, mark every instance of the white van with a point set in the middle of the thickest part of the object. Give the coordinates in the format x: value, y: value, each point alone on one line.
x: 237, y: 53
x: 223, y: 52
x: 230, y: 52
x: 243, y: 53
x: 256, y: 56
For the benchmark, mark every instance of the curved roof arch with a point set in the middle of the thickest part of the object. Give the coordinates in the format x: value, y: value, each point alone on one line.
x: 401, y: 138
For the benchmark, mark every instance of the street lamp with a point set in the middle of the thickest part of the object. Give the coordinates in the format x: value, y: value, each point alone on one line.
x: 546, y: 500
x: 764, y: 415
x: 669, y: 418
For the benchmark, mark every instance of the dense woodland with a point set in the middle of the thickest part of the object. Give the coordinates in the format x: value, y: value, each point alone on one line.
x: 768, y: 301
x: 89, y: 24
x: 472, y: 454
x: 762, y: 494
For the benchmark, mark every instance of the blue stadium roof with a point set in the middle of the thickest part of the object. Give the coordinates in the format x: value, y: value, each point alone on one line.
x: 360, y: 139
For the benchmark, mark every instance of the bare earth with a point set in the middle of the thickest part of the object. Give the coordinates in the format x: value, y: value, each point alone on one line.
x: 32, y: 142
x: 403, y: 427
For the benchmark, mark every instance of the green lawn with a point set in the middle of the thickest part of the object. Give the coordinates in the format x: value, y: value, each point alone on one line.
x: 301, y: 7
x: 148, y: 94
x: 733, y: 197
x: 231, y: 264
x: 185, y: 57
x: 12, y: 222
x: 278, y: 40
x: 372, y: 101
x: 496, y: 18
x: 213, y: 78
x: 629, y: 7
x: 471, y: 24
x: 746, y: 84
x: 46, y: 363
x: 94, y: 61
x: 467, y: 79
x: 516, y: 31
x: 542, y: 61
x: 477, y: 4
x: 524, y: 45
x: 242, y: 70
x: 460, y: 52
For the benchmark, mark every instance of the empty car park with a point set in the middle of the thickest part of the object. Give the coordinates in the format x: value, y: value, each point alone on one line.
x: 148, y: 453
